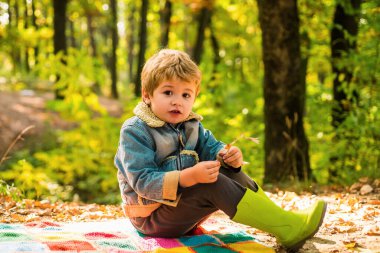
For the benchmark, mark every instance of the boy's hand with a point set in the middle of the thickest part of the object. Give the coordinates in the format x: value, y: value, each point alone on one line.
x: 232, y: 157
x: 206, y: 172
x: 202, y: 172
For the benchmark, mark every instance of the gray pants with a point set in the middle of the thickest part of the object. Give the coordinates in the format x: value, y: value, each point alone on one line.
x: 196, y: 204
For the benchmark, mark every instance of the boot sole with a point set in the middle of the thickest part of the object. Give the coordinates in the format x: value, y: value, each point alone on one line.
x: 294, y: 248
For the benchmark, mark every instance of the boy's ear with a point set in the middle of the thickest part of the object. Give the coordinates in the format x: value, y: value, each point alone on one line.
x: 198, y: 89
x: 145, y: 97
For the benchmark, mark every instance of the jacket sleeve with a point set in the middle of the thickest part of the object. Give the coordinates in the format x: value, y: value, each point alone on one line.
x: 136, y: 155
x: 207, y: 147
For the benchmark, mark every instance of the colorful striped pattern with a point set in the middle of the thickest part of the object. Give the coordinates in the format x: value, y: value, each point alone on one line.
x: 118, y: 236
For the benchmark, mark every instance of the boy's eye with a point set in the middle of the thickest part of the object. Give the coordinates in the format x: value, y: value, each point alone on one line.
x: 186, y: 95
x: 168, y: 92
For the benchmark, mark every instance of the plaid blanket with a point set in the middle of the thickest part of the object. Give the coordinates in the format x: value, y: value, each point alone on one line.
x: 119, y: 236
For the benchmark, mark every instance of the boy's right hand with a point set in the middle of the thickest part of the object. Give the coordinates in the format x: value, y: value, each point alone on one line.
x: 206, y: 172
x: 202, y: 172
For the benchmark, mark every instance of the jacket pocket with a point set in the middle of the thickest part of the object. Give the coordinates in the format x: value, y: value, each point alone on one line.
x: 188, y: 158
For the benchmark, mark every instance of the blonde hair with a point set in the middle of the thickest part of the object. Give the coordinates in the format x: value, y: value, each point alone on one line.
x: 169, y: 64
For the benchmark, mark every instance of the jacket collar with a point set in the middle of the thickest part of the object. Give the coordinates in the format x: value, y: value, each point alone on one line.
x: 144, y: 112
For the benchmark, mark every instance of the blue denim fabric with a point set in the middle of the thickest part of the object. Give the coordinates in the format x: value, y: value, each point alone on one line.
x: 145, y: 153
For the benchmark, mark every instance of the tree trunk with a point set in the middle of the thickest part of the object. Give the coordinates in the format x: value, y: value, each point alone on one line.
x: 91, y: 34
x: 130, y: 33
x: 59, y: 35
x: 215, y: 48
x: 17, y: 47
x: 203, y: 22
x: 142, y: 45
x: 12, y: 31
x: 343, y: 41
x: 94, y: 51
x: 115, y: 41
x: 34, y: 22
x: 306, y: 42
x: 26, y: 24
x: 165, y: 15
x: 9, y: 30
x: 72, y: 40
x: 286, y: 146
x: 60, y: 26
x: 10, y: 14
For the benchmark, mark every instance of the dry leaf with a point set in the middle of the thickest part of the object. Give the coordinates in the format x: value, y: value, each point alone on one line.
x: 366, y: 189
x: 373, y: 231
x: 348, y: 229
x: 229, y: 145
x: 374, y: 202
x: 352, y: 202
x: 17, y: 217
x: 288, y: 196
x: 255, y: 140
x: 343, y: 222
x: 29, y: 203
x: 43, y: 204
x: 350, y: 244
x: 355, y: 187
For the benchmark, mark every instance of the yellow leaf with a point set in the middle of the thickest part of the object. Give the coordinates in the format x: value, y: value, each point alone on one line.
x: 351, y: 245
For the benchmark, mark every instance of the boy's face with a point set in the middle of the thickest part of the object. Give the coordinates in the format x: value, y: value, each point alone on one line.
x: 172, y: 101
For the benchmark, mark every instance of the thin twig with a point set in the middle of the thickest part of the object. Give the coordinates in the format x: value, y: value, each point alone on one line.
x: 19, y: 137
x: 229, y: 145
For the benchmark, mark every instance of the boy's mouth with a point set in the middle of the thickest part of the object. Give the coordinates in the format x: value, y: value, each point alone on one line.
x: 175, y: 111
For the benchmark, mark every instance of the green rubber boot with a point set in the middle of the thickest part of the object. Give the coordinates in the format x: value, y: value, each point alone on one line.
x: 291, y: 229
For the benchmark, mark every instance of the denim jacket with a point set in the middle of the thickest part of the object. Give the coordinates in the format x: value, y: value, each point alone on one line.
x: 151, y: 154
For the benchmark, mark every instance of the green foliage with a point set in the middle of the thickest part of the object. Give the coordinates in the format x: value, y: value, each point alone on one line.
x: 7, y: 190
x: 76, y: 73
x: 345, y: 154
x: 357, y: 141
x: 84, y: 160
x: 81, y: 164
x: 34, y: 182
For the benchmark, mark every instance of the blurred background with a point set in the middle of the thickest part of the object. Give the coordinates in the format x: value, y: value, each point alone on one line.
x: 302, y: 76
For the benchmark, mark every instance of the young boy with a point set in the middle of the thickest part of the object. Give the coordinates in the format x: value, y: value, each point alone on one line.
x: 173, y: 173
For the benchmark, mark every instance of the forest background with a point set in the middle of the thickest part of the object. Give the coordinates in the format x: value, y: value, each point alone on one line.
x: 301, y: 76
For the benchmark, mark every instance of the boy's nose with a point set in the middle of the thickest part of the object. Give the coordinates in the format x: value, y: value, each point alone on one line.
x: 176, y: 101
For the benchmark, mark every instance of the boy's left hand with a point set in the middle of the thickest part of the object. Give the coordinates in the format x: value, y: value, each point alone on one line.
x: 232, y: 157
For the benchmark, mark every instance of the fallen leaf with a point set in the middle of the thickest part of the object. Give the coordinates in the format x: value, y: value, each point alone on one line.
x: 17, y: 217
x: 29, y: 203
x: 350, y: 244
x: 288, y: 196
x: 347, y: 229
x: 355, y: 187
x: 374, y: 202
x: 365, y: 189
x: 376, y: 183
x: 373, y: 231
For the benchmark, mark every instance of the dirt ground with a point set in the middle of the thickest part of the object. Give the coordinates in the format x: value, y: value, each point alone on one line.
x: 20, y: 110
x: 352, y: 222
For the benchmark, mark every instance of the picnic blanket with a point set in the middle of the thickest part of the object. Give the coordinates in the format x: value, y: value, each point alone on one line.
x: 119, y: 236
